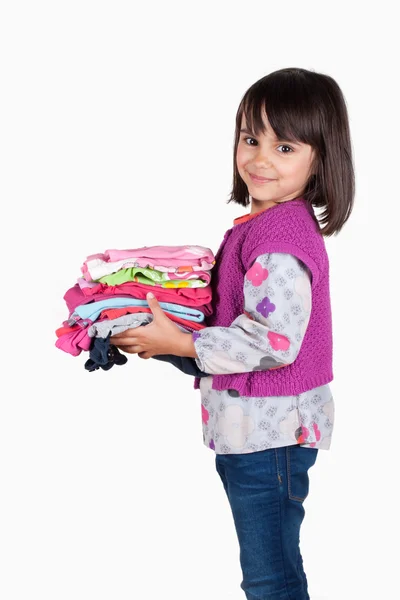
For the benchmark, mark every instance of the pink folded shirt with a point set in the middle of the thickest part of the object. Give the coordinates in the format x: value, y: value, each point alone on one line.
x: 97, y: 268
x: 195, y: 297
x: 167, y: 259
x: 75, y: 341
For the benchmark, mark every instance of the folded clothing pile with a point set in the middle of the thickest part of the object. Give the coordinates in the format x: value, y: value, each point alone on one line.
x: 110, y: 297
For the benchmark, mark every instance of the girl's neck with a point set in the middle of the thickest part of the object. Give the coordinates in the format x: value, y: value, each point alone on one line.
x: 257, y: 206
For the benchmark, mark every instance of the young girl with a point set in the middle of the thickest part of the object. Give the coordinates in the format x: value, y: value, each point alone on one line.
x: 267, y: 406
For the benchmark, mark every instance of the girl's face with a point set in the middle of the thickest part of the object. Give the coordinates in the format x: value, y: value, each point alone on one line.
x: 285, y: 166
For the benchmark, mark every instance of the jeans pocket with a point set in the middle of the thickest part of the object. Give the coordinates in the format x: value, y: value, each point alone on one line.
x: 298, y: 461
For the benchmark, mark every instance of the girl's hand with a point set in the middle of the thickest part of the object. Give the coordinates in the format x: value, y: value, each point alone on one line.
x: 161, y: 336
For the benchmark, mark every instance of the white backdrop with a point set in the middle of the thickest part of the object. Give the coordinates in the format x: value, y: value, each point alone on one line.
x: 117, y: 123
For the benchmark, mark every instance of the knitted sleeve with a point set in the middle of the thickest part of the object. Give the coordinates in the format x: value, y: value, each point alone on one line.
x: 290, y: 230
x: 269, y: 333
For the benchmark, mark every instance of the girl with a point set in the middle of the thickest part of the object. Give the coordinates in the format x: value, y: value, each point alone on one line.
x: 267, y: 407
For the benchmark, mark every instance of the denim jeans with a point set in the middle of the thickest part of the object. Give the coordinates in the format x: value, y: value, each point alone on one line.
x: 266, y: 491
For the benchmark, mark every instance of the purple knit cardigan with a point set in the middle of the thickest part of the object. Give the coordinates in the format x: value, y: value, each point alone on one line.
x: 289, y: 227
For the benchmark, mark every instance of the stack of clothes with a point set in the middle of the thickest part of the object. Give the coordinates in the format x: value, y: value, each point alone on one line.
x: 110, y: 297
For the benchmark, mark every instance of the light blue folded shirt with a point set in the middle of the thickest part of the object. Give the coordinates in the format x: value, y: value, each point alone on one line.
x: 92, y: 310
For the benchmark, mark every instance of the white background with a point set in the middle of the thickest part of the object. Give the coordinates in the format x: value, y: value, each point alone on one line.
x: 117, y: 124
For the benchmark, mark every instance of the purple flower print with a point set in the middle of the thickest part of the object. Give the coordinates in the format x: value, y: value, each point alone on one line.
x: 195, y: 335
x: 212, y: 445
x: 265, y: 307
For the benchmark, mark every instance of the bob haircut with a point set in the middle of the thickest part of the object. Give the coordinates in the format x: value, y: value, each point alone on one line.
x: 309, y: 108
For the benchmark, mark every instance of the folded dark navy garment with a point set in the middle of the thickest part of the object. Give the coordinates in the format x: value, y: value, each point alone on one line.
x: 185, y: 364
x: 103, y: 355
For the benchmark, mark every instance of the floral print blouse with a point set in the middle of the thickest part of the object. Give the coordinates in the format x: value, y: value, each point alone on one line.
x: 269, y: 333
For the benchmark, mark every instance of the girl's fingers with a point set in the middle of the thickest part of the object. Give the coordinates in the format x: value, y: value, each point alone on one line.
x: 130, y: 349
x: 134, y: 349
x: 123, y: 341
x: 130, y: 336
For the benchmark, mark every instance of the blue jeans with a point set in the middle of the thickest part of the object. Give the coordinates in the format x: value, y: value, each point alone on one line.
x: 266, y: 491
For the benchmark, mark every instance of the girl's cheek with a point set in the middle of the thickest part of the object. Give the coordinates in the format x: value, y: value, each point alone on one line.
x: 241, y: 157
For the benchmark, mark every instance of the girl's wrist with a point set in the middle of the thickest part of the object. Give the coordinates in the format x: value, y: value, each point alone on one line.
x: 186, y: 346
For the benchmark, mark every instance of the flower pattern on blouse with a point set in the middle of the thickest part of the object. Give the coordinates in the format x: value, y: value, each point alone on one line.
x: 268, y: 335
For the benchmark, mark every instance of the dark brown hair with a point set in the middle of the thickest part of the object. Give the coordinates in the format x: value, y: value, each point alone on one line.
x: 310, y: 108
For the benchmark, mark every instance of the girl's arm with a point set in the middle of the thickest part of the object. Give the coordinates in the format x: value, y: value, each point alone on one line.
x: 269, y: 333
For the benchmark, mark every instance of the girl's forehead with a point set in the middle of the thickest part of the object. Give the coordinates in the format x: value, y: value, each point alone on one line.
x: 247, y: 122
x: 268, y: 129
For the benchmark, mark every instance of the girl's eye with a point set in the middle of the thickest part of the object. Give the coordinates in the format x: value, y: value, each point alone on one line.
x: 285, y: 146
x: 280, y: 146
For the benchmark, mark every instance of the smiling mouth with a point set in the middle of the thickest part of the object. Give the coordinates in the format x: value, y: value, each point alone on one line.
x: 260, y: 179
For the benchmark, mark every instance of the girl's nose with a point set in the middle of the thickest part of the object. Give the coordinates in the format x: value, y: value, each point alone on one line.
x: 262, y: 159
